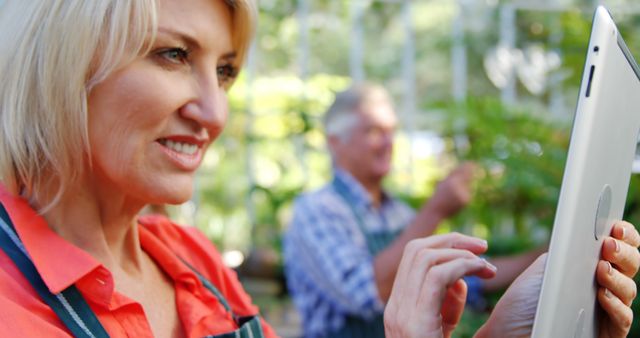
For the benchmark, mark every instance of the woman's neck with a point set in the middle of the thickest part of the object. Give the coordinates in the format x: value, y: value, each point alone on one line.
x: 102, y: 224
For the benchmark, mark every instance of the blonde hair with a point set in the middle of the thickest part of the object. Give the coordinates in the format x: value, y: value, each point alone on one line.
x: 55, y: 51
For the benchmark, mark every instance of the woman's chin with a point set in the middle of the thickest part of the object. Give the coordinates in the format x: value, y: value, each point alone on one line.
x: 176, y: 193
x: 176, y: 201
x: 179, y: 197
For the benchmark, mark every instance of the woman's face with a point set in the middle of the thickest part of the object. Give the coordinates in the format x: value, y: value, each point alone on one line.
x: 151, y: 121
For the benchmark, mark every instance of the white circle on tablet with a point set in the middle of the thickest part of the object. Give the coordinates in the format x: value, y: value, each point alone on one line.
x: 603, y: 212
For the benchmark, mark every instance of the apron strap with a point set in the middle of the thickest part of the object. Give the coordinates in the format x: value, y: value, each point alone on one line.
x: 376, y: 242
x: 69, y: 305
x: 342, y: 190
x: 207, y: 284
x: 248, y: 327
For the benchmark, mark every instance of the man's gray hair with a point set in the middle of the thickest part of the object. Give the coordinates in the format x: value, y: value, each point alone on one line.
x: 342, y: 115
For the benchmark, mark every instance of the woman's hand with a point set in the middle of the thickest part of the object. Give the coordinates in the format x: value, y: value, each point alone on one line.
x: 428, y: 294
x: 514, y: 314
x: 620, y: 262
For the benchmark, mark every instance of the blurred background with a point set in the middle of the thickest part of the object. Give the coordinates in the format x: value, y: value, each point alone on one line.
x: 491, y: 81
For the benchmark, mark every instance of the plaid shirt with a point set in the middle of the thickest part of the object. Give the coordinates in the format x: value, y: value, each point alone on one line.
x: 328, y: 266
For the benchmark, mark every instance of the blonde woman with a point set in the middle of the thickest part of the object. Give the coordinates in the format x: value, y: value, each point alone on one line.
x: 107, y: 106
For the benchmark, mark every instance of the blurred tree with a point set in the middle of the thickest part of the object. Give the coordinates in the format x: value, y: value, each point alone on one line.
x: 521, y: 157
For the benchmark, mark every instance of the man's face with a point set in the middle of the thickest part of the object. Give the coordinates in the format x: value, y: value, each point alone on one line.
x: 367, y: 152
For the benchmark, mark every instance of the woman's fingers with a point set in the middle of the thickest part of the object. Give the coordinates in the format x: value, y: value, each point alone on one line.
x: 417, y: 246
x: 423, y: 262
x: 452, y: 240
x: 625, y: 257
x: 619, y: 318
x: 420, y: 316
x: 626, y: 232
x: 617, y: 283
x: 453, y: 306
x: 441, y: 276
x: 429, y: 271
x: 622, y: 249
x: 614, y: 273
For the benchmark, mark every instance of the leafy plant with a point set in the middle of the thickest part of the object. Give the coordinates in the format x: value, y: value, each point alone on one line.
x: 521, y: 157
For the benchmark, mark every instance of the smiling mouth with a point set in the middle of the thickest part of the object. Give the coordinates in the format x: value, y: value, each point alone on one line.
x: 180, y: 147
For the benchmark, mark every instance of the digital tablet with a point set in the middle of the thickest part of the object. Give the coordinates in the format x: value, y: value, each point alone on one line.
x: 594, y: 185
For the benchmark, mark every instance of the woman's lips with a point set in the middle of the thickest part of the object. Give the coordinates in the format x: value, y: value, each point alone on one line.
x: 185, y: 153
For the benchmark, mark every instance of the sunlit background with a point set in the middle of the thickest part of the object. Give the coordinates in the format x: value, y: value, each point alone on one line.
x: 491, y: 81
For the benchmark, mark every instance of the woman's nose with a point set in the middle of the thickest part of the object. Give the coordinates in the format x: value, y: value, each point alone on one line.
x: 209, y: 108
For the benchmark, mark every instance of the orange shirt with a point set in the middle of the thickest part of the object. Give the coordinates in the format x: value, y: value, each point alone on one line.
x: 61, y: 264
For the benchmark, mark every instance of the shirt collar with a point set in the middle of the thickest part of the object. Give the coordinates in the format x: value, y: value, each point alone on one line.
x: 59, y: 263
x: 169, y: 260
x: 356, y: 192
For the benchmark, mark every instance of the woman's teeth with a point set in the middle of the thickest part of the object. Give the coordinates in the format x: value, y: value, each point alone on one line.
x: 185, y: 148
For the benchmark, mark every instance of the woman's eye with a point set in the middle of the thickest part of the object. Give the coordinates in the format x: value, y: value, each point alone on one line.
x: 174, y: 55
x: 226, y: 74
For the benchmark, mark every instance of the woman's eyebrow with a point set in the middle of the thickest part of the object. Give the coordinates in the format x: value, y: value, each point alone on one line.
x: 229, y: 56
x: 191, y: 41
x: 184, y: 37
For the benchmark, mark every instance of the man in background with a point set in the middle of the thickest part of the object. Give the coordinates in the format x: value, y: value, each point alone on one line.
x: 345, y: 240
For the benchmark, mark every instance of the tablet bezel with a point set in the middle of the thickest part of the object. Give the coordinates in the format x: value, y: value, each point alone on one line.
x: 594, y: 185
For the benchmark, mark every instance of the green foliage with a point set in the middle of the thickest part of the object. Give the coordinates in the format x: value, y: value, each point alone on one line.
x: 521, y: 156
x: 271, y: 150
x: 632, y: 214
x: 469, y: 324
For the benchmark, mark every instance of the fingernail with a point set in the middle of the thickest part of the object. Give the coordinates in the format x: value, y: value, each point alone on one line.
x: 485, y: 243
x: 624, y: 232
x: 609, y: 268
x: 617, y: 245
x: 489, y: 265
x: 607, y: 293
